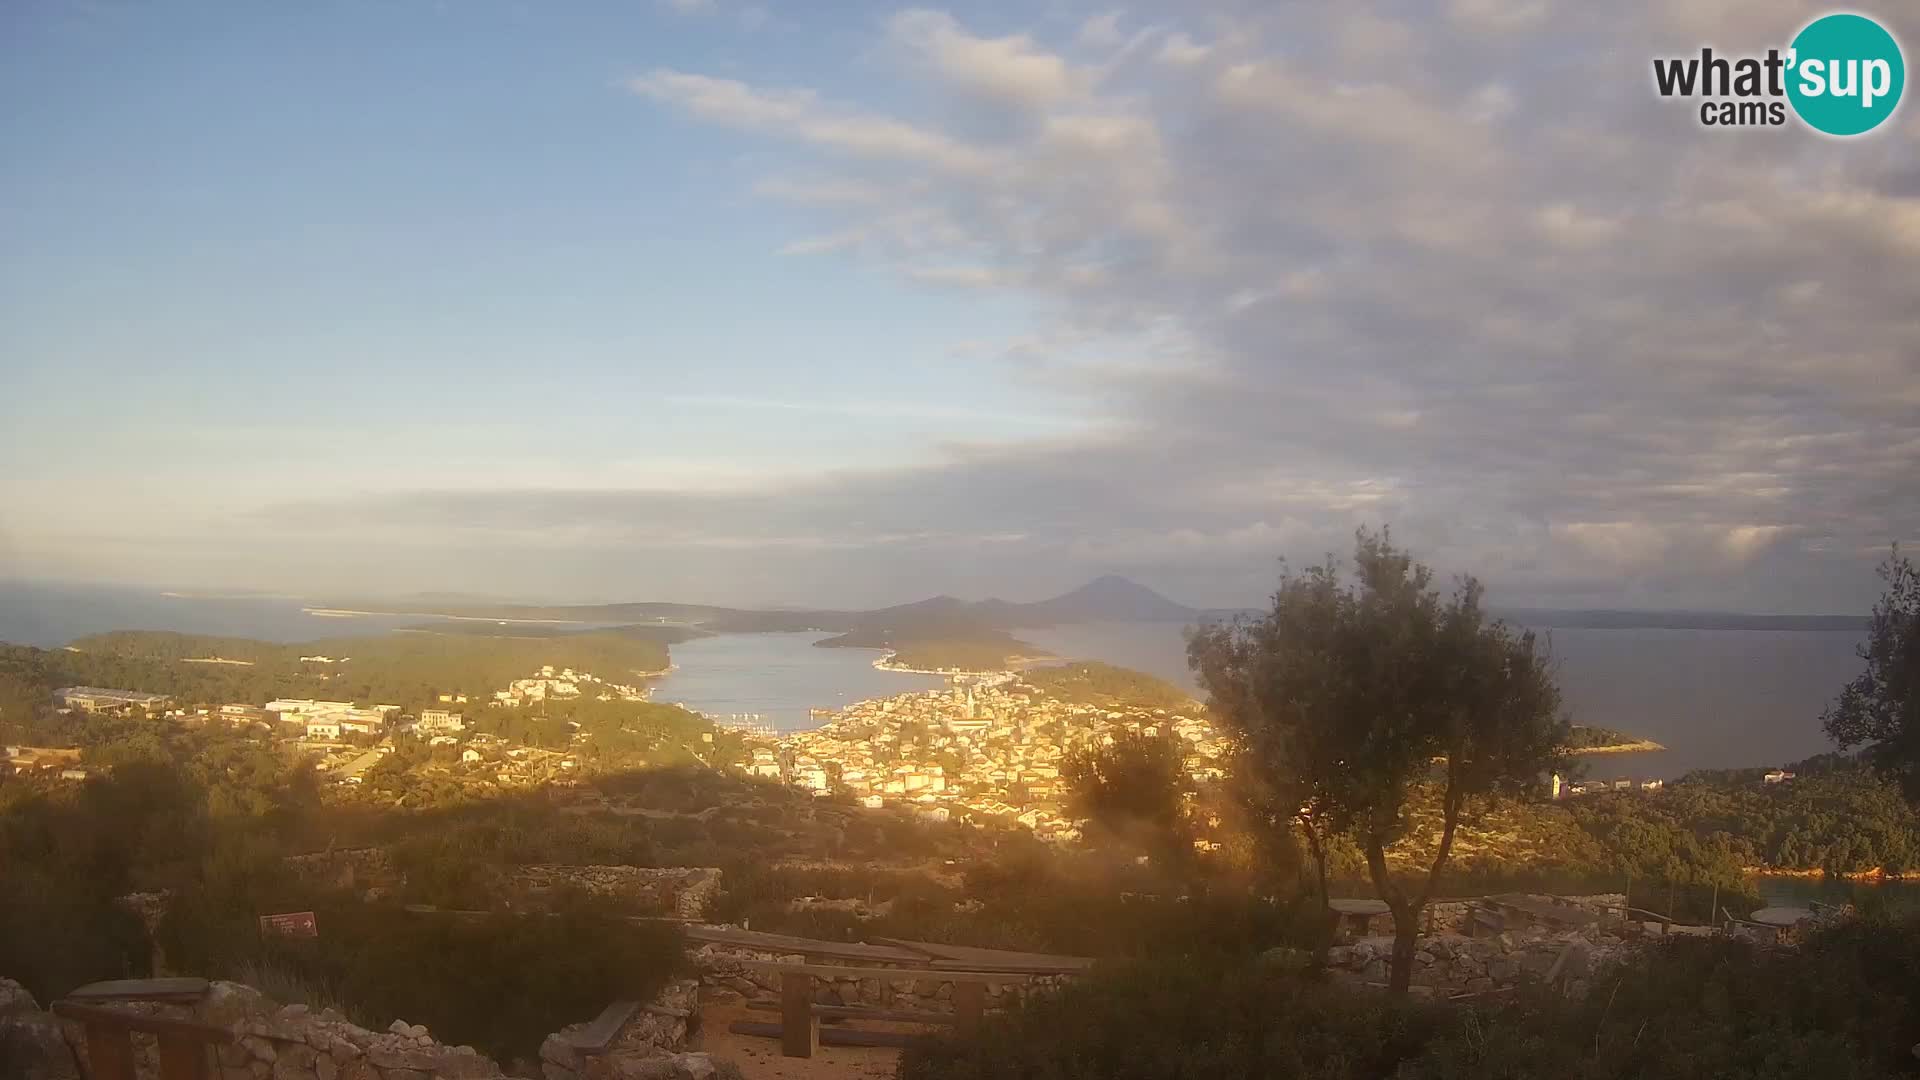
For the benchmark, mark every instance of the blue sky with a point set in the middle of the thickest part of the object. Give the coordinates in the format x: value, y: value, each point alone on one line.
x: 856, y: 303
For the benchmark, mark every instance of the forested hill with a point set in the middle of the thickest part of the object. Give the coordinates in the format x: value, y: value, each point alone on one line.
x: 406, y: 668
x: 1106, y: 599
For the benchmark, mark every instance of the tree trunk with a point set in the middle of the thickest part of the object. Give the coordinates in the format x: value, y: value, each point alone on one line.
x: 1406, y: 930
x: 1326, y: 901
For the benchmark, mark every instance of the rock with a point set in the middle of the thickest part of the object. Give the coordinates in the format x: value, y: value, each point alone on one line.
x: 400, y: 1027
x: 288, y: 1069
x: 260, y: 1048
x: 14, y: 998
x: 33, y: 1047
x: 324, y: 1068
x: 555, y: 1072
x: 233, y: 1054
x: 405, y: 1074
x: 1375, y: 971
x: 295, y: 1012
x: 235, y: 1072
x: 559, y: 1051
x: 1338, y: 955
x: 1423, y: 958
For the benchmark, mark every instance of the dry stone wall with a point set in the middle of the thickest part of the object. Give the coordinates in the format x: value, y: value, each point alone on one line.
x: 1449, y: 965
x: 725, y: 976
x: 292, y: 1042
x: 681, y: 891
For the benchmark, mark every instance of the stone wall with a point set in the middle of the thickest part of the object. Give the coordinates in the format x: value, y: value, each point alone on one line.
x: 1449, y: 965
x: 291, y: 1042
x: 1450, y: 916
x: 347, y: 868
x: 725, y: 977
x: 681, y: 891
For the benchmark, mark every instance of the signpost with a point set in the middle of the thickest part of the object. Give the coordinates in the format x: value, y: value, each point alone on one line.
x: 291, y: 924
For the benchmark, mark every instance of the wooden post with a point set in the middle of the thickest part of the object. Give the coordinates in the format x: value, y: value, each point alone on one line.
x: 1713, y: 911
x: 799, y: 1028
x: 109, y: 1053
x: 969, y: 1006
x: 182, y: 1057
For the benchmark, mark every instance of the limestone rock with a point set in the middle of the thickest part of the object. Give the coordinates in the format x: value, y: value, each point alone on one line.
x: 260, y: 1048
x: 33, y: 1047
x: 14, y: 998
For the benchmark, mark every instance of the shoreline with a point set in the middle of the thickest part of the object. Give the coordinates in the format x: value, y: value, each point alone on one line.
x: 1875, y: 875
x: 1015, y: 665
x: 350, y: 613
x: 1640, y: 746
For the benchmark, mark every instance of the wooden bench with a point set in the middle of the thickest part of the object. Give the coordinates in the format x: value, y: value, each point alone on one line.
x: 799, y: 1027
x: 172, y: 990
x: 184, y: 1045
x: 862, y: 1012
x: 594, y: 1039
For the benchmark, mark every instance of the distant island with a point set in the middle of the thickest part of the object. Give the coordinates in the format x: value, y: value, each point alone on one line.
x: 1589, y: 739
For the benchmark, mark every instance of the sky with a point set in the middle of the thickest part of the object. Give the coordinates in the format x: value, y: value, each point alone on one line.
x: 851, y: 304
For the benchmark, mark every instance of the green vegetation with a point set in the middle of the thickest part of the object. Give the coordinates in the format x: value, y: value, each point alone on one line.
x: 971, y: 649
x: 1090, y: 682
x: 1845, y: 1005
x: 1880, y: 710
x: 1345, y: 696
x: 1589, y: 736
x: 500, y: 983
x: 1836, y: 816
x: 403, y: 668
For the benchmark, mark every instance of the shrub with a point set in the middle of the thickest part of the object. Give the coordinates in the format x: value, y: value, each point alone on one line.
x: 1847, y: 1004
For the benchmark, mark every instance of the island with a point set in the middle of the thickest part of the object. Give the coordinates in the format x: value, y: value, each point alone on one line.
x: 1589, y: 739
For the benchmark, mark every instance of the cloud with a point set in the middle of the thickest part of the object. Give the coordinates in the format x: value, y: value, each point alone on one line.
x: 1299, y: 268
x: 1010, y: 70
x: 800, y: 114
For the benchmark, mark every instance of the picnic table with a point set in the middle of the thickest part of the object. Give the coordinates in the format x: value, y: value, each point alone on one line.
x: 1354, y: 914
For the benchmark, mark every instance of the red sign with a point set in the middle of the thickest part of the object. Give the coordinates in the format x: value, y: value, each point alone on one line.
x: 292, y: 924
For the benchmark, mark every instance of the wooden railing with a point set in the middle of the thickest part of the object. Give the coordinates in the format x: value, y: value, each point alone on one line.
x: 184, y: 1045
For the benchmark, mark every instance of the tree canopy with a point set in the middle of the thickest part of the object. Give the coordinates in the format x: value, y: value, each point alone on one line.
x: 1880, y: 709
x: 1355, y: 689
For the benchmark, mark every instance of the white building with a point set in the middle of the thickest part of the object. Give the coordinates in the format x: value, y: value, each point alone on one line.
x: 439, y: 720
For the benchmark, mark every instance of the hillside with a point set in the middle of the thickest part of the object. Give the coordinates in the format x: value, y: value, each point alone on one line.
x: 407, y: 668
x: 1106, y: 599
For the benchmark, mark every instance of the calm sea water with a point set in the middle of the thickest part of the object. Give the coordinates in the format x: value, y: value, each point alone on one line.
x: 1715, y: 698
x: 779, y: 677
x: 52, y: 615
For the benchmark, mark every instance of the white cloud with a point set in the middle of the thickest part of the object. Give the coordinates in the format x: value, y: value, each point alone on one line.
x: 1012, y: 70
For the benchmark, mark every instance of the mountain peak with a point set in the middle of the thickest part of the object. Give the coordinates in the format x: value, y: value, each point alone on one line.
x: 1111, y: 598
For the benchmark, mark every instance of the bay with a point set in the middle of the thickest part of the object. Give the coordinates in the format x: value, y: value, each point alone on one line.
x: 778, y: 678
x: 1717, y: 699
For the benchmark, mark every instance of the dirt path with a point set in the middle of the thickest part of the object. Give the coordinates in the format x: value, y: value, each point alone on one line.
x: 759, y: 1058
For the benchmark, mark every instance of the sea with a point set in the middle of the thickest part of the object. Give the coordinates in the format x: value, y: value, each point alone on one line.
x: 1715, y: 698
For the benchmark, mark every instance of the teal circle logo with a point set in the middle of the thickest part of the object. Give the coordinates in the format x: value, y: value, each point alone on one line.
x: 1845, y: 75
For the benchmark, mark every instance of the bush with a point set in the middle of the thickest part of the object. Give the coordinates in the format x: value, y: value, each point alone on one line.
x: 1847, y: 1004
x: 500, y: 983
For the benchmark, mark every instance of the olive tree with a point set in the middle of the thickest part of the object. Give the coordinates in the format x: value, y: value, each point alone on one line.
x: 1880, y: 708
x: 1357, y: 688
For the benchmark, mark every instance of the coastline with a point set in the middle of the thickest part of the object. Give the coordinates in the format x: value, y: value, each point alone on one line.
x: 1876, y: 874
x: 1015, y: 664
x: 350, y: 613
x: 1640, y: 746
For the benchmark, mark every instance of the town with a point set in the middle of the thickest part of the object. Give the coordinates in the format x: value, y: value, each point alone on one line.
x: 989, y: 749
